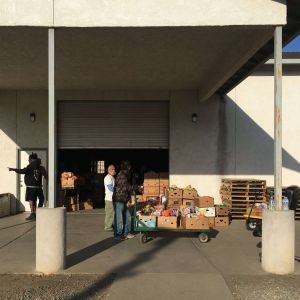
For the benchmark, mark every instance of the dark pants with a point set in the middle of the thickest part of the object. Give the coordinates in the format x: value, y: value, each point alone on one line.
x: 122, y: 223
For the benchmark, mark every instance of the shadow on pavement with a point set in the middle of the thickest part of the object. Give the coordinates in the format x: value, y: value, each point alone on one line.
x: 15, y: 225
x: 90, y: 251
x: 125, y: 270
x: 18, y: 237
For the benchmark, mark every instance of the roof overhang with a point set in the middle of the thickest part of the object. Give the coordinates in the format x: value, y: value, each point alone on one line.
x: 290, y: 30
x: 141, y: 13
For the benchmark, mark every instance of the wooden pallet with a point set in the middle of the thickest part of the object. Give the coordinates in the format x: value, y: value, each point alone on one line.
x: 238, y: 194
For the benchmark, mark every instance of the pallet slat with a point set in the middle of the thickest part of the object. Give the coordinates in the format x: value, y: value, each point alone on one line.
x: 238, y: 194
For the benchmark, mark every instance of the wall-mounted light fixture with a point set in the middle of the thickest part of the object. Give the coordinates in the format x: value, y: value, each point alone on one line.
x: 194, y: 118
x: 32, y: 117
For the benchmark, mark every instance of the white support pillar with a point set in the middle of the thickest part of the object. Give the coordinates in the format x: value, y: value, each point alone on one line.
x: 50, y: 239
x: 278, y: 117
x: 278, y: 226
x: 52, y: 120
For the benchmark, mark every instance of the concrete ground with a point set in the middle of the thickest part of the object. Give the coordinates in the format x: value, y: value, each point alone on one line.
x: 170, y: 264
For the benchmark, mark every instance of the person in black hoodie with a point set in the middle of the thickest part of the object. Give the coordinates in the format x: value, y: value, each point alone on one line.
x: 33, y: 178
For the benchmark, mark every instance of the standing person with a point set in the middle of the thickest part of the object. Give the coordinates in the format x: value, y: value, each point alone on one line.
x: 121, y: 199
x: 33, y: 178
x: 109, y: 184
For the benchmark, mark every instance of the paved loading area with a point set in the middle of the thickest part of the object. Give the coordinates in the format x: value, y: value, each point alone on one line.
x: 176, y: 265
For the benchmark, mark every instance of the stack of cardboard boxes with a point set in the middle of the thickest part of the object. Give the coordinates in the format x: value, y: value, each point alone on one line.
x: 222, y: 216
x: 155, y: 184
x: 183, y: 207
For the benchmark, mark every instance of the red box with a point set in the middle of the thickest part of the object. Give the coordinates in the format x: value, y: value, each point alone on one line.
x: 204, y: 201
x: 222, y: 211
x: 189, y: 194
x: 188, y: 202
x: 194, y: 223
x: 167, y: 222
x: 151, y: 190
x: 221, y: 221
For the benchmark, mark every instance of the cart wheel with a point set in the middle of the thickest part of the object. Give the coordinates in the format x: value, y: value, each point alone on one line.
x: 251, y: 225
x: 203, y: 237
x: 143, y: 238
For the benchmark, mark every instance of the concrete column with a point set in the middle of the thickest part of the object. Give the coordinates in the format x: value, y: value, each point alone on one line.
x: 52, y: 168
x: 50, y: 239
x: 278, y: 242
x: 278, y: 117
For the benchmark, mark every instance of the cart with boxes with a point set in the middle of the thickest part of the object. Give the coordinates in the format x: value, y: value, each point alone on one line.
x: 163, y: 208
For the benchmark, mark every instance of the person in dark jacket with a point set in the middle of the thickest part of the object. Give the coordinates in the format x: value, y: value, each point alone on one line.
x: 33, y: 178
x: 121, y: 200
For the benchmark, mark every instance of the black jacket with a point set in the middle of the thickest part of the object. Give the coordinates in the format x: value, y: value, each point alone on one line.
x: 34, y: 173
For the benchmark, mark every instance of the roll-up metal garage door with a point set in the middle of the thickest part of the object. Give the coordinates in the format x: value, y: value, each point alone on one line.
x: 113, y: 124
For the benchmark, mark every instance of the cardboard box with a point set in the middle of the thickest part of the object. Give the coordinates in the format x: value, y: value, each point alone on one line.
x: 147, y: 221
x: 188, y: 202
x: 167, y: 222
x: 221, y: 221
x: 151, y: 190
x: 174, y: 202
x: 222, y: 211
x: 86, y: 205
x: 189, y: 194
x: 151, y: 179
x: 194, y: 223
x: 174, y: 194
x: 174, y: 206
x: 204, y: 201
x: 208, y: 211
x: 67, y: 183
x: 211, y: 222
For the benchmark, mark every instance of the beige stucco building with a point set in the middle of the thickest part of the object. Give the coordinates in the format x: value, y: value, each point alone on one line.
x: 183, y: 55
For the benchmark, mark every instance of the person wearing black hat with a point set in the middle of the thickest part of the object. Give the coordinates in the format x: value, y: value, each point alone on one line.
x: 33, y: 178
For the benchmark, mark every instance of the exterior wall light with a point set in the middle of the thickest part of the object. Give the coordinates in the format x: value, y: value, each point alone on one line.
x: 194, y: 118
x: 32, y: 117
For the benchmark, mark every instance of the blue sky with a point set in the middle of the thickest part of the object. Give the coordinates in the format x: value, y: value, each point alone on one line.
x: 293, y: 46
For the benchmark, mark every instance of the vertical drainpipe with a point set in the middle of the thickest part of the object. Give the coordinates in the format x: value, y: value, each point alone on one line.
x: 51, y: 120
x: 278, y: 117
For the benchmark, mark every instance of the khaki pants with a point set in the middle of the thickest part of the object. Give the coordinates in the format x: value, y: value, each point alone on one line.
x: 109, y: 215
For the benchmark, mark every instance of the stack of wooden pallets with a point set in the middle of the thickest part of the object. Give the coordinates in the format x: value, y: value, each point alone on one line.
x: 238, y: 194
x: 270, y: 193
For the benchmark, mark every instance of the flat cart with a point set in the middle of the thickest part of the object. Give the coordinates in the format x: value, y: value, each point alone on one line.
x: 144, y: 231
x: 252, y: 220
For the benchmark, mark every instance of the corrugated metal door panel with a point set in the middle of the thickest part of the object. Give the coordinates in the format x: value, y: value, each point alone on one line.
x: 113, y: 124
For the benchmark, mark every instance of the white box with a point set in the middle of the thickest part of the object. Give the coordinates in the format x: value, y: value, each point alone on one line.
x: 208, y: 211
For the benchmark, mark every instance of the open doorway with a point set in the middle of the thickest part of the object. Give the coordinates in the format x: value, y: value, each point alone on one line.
x: 91, y: 166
